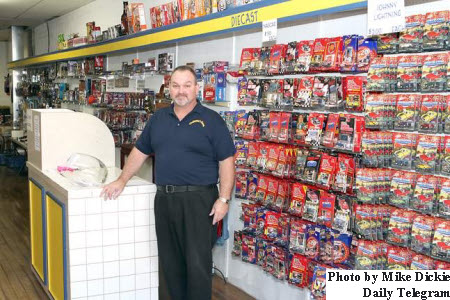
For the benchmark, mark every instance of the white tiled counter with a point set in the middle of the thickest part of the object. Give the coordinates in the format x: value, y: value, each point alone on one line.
x: 83, y: 247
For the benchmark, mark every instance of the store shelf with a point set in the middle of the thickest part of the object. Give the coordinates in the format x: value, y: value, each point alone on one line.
x: 236, y: 19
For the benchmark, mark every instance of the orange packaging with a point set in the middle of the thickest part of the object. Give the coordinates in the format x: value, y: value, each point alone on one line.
x: 138, y: 17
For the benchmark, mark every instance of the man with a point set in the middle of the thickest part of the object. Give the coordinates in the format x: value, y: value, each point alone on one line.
x: 193, y: 149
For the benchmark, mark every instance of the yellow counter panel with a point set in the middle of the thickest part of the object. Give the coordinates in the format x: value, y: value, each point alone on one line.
x: 37, y: 229
x: 55, y: 250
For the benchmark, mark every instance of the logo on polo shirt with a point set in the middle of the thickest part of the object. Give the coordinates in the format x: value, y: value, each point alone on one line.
x: 197, y: 121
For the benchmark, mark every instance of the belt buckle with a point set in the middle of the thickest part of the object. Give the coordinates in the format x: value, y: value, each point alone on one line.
x: 170, y: 189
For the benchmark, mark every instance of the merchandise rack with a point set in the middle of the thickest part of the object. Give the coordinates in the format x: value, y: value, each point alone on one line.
x: 217, y: 23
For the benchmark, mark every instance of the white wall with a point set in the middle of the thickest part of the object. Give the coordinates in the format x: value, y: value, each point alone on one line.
x: 224, y: 47
x: 5, y: 100
x: 105, y: 13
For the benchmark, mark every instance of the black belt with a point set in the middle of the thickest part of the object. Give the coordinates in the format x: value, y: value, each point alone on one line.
x: 169, y: 189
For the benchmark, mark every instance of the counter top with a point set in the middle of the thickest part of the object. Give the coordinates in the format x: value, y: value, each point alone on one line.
x: 73, y: 190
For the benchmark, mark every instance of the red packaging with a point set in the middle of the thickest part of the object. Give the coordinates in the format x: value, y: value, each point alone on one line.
x: 153, y: 17
x: 277, y: 54
x: 261, y: 190
x: 434, y: 73
x: 271, y: 225
x: 441, y: 265
x: 273, y: 155
x: 282, y: 196
x: 304, y: 51
x: 303, y: 91
x: 241, y: 185
x: 263, y: 156
x: 333, y: 55
x: 440, y: 248
x: 298, y: 196
x: 410, y: 39
x: 246, y: 59
x: 422, y: 234
x: 272, y: 190
x: 251, y: 129
x: 331, y: 131
x: 298, y: 274
x: 98, y: 64
x: 252, y: 156
x: 353, y: 89
x: 345, y: 174
x: 327, y: 169
x: 315, y: 127
x: 444, y: 198
x: 429, y: 113
x: 318, y: 54
x: 409, y: 73
x: 436, y: 29
x: 398, y: 258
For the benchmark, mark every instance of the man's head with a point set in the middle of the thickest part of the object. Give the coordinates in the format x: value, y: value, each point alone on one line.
x: 183, y: 86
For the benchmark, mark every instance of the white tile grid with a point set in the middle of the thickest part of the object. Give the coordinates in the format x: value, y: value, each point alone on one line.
x: 154, y: 293
x: 111, y: 285
x: 77, y: 223
x: 93, y: 206
x: 142, y: 233
x: 144, y: 294
x: 135, y: 278
x: 141, y: 202
x: 77, y: 257
x: 130, y: 190
x: 126, y: 203
x: 111, y: 296
x: 142, y: 217
x: 77, y: 207
x: 126, y: 219
x: 95, y: 287
x: 82, y: 193
x: 152, y: 233
x: 128, y: 295
x: 94, y: 222
x: 78, y: 289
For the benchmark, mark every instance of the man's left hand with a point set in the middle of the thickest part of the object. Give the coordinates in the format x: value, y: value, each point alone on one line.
x: 219, y: 211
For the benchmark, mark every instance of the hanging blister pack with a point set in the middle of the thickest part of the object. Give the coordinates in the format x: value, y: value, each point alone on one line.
x: 434, y: 73
x: 402, y: 188
x: 410, y: 40
x: 435, y: 30
x: 422, y: 234
x: 406, y: 115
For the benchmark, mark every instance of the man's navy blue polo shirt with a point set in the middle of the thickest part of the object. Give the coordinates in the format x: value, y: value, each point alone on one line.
x: 187, y: 152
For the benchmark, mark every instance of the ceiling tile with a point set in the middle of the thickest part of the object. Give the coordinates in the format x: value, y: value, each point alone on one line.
x: 47, y: 9
x: 13, y: 8
x: 5, y: 35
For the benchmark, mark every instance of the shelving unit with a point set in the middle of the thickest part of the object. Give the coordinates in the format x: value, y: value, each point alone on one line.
x: 223, y: 22
x: 220, y: 37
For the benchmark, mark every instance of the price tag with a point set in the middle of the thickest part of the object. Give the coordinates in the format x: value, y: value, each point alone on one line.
x: 269, y: 30
x: 385, y: 16
x: 140, y: 83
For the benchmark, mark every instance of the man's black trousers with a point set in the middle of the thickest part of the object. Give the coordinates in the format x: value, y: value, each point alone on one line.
x: 185, y: 239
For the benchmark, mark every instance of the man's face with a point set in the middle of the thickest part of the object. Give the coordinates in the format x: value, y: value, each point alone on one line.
x: 183, y: 88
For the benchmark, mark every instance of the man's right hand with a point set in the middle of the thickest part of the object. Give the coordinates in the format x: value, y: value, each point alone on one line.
x: 113, y: 190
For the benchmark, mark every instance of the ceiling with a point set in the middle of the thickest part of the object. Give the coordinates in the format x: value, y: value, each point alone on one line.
x: 32, y: 12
